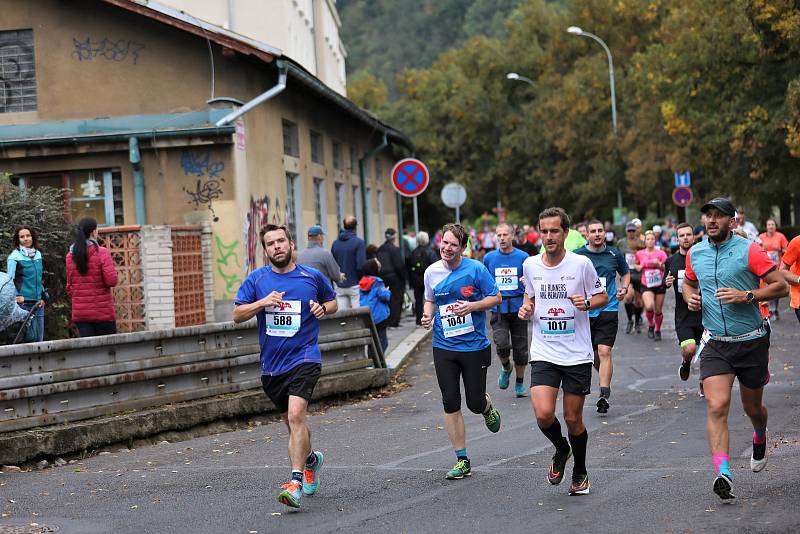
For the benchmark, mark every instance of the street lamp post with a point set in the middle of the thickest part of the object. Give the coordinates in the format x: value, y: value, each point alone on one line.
x: 519, y: 78
x: 575, y: 30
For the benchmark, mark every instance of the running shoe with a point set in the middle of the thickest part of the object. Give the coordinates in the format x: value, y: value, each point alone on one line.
x: 684, y: 370
x: 290, y: 496
x: 723, y: 486
x: 519, y: 389
x: 492, y: 419
x: 580, y: 485
x: 651, y: 332
x: 311, y: 476
x: 459, y: 471
x: 758, y: 460
x: 638, y: 328
x: 629, y: 327
x: 657, y: 336
x: 502, y: 380
x: 602, y: 405
x: 556, y: 472
x: 700, y: 392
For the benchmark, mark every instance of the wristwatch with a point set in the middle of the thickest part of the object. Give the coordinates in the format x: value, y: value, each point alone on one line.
x: 324, y: 309
x: 749, y: 297
x: 587, y: 304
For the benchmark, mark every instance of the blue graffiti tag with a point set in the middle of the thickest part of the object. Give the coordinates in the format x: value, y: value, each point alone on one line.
x: 195, y: 164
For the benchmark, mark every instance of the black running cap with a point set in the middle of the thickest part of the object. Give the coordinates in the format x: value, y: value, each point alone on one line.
x: 724, y: 205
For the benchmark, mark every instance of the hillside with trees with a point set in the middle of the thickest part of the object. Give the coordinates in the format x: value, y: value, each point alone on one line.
x: 709, y: 86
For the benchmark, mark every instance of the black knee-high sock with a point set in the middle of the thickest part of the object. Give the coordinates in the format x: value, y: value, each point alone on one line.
x: 638, y: 310
x: 579, y: 452
x: 629, y: 311
x: 553, y: 433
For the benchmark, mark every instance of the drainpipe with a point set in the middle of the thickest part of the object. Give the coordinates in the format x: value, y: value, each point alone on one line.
x: 363, y: 182
x: 260, y: 99
x: 138, y: 179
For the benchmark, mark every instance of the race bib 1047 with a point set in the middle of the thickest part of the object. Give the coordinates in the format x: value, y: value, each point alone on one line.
x: 452, y: 324
x: 284, y: 320
x: 506, y: 278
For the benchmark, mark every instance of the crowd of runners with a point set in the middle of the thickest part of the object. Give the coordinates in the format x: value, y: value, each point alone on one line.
x: 555, y: 312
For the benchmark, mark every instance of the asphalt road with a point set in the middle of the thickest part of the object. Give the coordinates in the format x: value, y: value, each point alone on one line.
x: 385, y: 461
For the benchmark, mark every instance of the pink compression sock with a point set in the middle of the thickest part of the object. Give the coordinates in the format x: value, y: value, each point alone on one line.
x: 659, y: 320
x: 649, y: 314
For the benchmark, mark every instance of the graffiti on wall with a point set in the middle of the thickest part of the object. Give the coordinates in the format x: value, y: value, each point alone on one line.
x: 228, y: 267
x: 208, y: 184
x: 17, y: 74
x: 119, y: 50
x: 264, y: 210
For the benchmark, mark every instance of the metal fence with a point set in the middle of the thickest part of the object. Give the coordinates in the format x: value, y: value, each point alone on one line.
x: 70, y: 380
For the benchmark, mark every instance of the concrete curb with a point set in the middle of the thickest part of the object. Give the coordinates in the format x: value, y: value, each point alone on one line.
x: 18, y: 447
x: 399, y: 355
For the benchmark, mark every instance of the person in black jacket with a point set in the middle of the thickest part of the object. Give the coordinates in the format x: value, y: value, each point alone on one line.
x: 393, y: 273
x: 416, y: 263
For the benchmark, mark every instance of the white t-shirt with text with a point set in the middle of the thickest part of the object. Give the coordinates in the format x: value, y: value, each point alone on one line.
x: 561, y: 333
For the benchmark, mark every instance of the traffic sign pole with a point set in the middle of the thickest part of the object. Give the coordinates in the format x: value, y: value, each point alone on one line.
x: 416, y: 217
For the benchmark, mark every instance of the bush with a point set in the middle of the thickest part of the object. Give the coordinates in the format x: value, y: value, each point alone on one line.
x: 42, y: 208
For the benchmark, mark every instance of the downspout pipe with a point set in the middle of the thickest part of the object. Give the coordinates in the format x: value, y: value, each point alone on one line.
x: 138, y: 180
x: 260, y: 99
x: 363, y: 181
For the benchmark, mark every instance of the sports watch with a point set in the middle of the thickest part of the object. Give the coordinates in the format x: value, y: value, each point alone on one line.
x: 749, y: 297
x: 587, y: 304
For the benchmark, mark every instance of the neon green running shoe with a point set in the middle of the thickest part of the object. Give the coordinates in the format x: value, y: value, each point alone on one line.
x: 459, y: 471
x: 492, y: 419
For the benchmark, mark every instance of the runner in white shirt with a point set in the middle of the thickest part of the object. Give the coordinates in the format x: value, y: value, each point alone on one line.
x: 560, y: 288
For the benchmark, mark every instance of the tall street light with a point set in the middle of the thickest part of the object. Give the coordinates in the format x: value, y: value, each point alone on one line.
x: 575, y: 30
x: 519, y: 78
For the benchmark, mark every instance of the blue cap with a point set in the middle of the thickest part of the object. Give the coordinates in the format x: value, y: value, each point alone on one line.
x: 315, y: 231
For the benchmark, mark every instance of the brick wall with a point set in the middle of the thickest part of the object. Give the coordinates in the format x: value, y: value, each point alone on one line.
x: 208, y: 271
x: 159, y: 292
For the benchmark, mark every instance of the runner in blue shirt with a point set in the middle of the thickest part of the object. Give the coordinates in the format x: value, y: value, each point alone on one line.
x: 509, y: 331
x: 604, y: 322
x: 458, y: 291
x: 288, y: 301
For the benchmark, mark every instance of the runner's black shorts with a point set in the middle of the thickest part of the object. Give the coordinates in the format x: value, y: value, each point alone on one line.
x: 575, y: 379
x: 689, y: 333
x: 748, y: 360
x: 658, y: 290
x: 604, y: 328
x: 299, y: 382
x: 470, y: 366
x: 509, y: 331
x: 636, y: 280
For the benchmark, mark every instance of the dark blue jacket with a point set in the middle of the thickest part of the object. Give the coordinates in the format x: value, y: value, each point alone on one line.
x: 350, y: 253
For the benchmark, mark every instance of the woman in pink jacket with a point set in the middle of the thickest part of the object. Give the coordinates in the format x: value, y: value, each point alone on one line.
x: 90, y: 277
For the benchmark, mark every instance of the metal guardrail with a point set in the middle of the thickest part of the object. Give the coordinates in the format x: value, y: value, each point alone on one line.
x: 69, y: 380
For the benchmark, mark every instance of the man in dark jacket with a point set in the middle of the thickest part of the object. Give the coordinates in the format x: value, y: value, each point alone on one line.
x: 416, y: 263
x: 393, y: 273
x: 350, y: 253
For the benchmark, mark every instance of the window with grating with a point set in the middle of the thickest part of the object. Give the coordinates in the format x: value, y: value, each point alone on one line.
x: 17, y: 71
x: 317, y: 150
x: 337, y: 155
x: 291, y: 140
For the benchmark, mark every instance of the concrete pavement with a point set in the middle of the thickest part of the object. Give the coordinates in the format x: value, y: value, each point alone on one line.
x: 385, y: 461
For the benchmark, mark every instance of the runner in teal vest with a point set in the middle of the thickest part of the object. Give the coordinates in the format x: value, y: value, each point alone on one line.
x: 727, y: 269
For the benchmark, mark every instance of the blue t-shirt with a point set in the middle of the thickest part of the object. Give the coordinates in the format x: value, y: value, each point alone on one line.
x: 507, y: 272
x: 288, y: 336
x: 608, y: 262
x: 469, y: 281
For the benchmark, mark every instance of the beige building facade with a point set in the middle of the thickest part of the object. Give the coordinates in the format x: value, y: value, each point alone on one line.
x: 305, y: 30
x: 123, y: 106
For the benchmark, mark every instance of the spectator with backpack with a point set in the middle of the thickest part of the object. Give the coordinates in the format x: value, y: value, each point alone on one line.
x: 375, y: 295
x: 416, y: 263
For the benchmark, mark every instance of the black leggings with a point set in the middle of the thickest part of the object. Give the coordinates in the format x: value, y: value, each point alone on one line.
x: 451, y: 366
